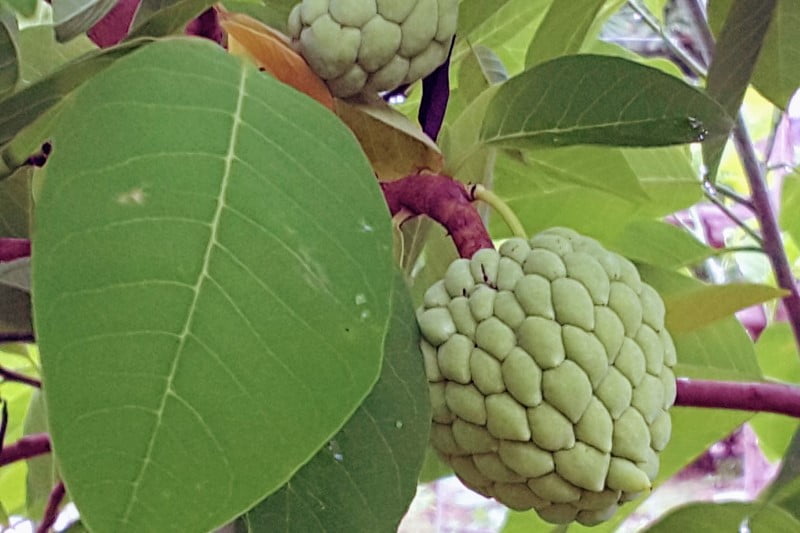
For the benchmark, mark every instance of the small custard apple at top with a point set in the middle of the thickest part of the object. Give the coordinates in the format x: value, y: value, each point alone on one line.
x: 368, y: 46
x: 550, y: 376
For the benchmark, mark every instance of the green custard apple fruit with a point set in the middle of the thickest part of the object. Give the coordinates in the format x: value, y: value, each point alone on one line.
x: 550, y: 377
x: 368, y: 46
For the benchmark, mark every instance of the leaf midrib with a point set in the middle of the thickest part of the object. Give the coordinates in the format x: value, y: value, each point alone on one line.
x: 201, y: 278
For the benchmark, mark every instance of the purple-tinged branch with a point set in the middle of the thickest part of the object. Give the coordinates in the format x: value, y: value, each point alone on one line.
x: 10, y: 375
x: 51, y: 510
x: 743, y: 396
x: 25, y: 448
x: 446, y: 201
x: 11, y: 249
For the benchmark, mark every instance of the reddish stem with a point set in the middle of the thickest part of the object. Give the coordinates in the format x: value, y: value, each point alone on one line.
x: 10, y: 375
x: 11, y: 249
x: 51, y: 511
x: 25, y: 448
x: 445, y: 200
x: 743, y: 396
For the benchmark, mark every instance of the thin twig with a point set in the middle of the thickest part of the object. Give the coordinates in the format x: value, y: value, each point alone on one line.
x: 755, y: 396
x: 11, y: 375
x: 51, y: 510
x: 770, y: 230
x: 777, y: 118
x: 655, y: 25
x: 706, y: 45
x: 727, y: 192
x: 16, y: 337
x: 731, y: 215
x: 25, y: 448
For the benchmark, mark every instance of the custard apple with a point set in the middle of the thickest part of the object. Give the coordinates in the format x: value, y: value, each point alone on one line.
x: 367, y: 46
x: 550, y: 376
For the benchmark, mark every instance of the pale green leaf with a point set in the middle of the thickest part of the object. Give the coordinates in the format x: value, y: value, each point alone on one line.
x: 15, y: 204
x: 41, y: 54
x: 526, y: 522
x: 592, y: 99
x: 563, y: 29
x: 73, y: 17
x: 219, y: 287
x: 790, y: 200
x: 774, y: 433
x: 433, y: 468
x: 734, y: 61
x: 726, y: 517
x: 777, y: 353
x: 479, y: 69
x: 660, y: 244
x: 42, y: 472
x: 25, y: 106
x: 720, y: 350
x: 366, y: 476
x: 699, y: 306
x: 542, y: 198
x: 9, y: 60
x: 26, y: 8
x: 785, y: 490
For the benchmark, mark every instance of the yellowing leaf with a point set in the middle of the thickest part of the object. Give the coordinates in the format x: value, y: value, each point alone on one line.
x: 395, y: 146
x: 270, y: 50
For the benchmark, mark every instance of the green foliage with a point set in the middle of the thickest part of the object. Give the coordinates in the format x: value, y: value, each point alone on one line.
x: 727, y: 517
x: 73, y: 17
x: 9, y: 62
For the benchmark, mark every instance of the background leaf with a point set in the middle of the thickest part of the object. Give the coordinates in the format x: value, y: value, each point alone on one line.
x: 697, y: 307
x: 563, y: 29
x: 733, y: 64
x: 216, y: 284
x: 73, y: 17
x: 659, y: 243
x: 15, y: 204
x: 41, y: 54
x: 9, y: 62
x: 159, y: 18
x: 726, y: 517
x: 366, y: 476
x: 592, y: 99
x: 777, y: 71
x: 42, y: 472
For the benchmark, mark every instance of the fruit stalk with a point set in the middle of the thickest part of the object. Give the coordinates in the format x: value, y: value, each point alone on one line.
x: 446, y: 201
x: 754, y: 396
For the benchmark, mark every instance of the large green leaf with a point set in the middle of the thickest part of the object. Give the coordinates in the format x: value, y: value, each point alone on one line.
x: 563, y: 29
x: 731, y: 516
x: 366, y: 476
x: 593, y: 99
x: 733, y: 64
x: 73, y: 17
x: 212, y: 268
x: 777, y: 72
x: 790, y: 199
x: 9, y: 62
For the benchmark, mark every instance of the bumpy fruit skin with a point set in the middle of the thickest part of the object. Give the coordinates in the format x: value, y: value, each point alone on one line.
x: 368, y: 46
x: 550, y: 375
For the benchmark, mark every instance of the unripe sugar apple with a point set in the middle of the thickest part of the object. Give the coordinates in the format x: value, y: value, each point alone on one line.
x: 550, y: 376
x: 367, y: 46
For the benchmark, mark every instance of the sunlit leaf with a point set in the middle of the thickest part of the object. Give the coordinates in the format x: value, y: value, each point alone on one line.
x: 219, y: 284
x: 726, y: 517
x: 563, y: 29
x: 659, y: 243
x: 697, y: 307
x: 789, y: 213
x: 271, y: 52
x: 366, y: 476
x: 395, y: 146
x: 785, y: 490
x: 592, y: 99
